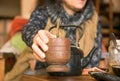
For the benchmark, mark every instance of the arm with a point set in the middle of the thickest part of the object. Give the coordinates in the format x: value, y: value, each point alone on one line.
x: 37, y: 21
x: 34, y: 34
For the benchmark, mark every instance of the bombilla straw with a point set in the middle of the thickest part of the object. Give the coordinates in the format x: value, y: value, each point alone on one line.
x: 58, y: 26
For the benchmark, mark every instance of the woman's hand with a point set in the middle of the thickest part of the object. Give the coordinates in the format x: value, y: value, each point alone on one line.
x: 39, y: 45
x: 85, y: 71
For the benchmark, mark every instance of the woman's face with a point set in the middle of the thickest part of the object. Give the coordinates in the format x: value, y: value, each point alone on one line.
x: 72, y: 6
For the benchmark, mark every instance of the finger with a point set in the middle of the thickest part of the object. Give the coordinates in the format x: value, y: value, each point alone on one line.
x: 43, y: 45
x: 38, y: 51
x: 38, y: 57
x: 45, y: 35
x: 97, y: 69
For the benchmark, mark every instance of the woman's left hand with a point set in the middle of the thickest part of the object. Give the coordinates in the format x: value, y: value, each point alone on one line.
x: 85, y: 71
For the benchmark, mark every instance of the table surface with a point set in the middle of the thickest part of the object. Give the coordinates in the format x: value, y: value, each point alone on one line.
x: 45, y: 77
x: 56, y: 78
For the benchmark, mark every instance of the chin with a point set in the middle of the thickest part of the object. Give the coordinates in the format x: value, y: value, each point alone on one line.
x: 80, y: 5
x: 79, y: 8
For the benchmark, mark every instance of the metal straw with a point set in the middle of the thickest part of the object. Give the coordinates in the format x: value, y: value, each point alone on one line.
x: 58, y: 26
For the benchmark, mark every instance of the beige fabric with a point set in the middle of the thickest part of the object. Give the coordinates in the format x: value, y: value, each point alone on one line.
x: 87, y: 41
x: 20, y: 67
x: 49, y: 24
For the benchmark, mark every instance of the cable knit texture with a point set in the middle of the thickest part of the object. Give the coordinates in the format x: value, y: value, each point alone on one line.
x: 40, y: 17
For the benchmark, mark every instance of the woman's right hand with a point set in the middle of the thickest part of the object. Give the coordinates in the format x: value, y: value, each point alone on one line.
x: 39, y: 45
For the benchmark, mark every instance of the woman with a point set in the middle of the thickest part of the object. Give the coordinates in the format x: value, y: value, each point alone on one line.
x: 78, y: 13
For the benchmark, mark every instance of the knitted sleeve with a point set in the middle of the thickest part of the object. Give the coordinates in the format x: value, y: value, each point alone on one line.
x: 36, y: 22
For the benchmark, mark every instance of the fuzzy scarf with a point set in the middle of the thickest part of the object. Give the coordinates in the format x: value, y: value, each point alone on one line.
x: 81, y: 27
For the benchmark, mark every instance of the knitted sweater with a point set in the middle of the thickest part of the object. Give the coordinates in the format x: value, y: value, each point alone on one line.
x: 40, y: 17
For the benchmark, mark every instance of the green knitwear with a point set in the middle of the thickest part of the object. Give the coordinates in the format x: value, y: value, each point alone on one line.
x: 17, y: 42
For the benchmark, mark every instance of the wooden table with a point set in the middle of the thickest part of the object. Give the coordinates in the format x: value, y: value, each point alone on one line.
x: 46, y: 77
x: 56, y: 78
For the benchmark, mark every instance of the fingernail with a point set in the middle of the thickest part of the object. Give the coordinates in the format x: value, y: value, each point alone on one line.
x: 46, y: 48
x: 42, y: 55
x: 45, y: 39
